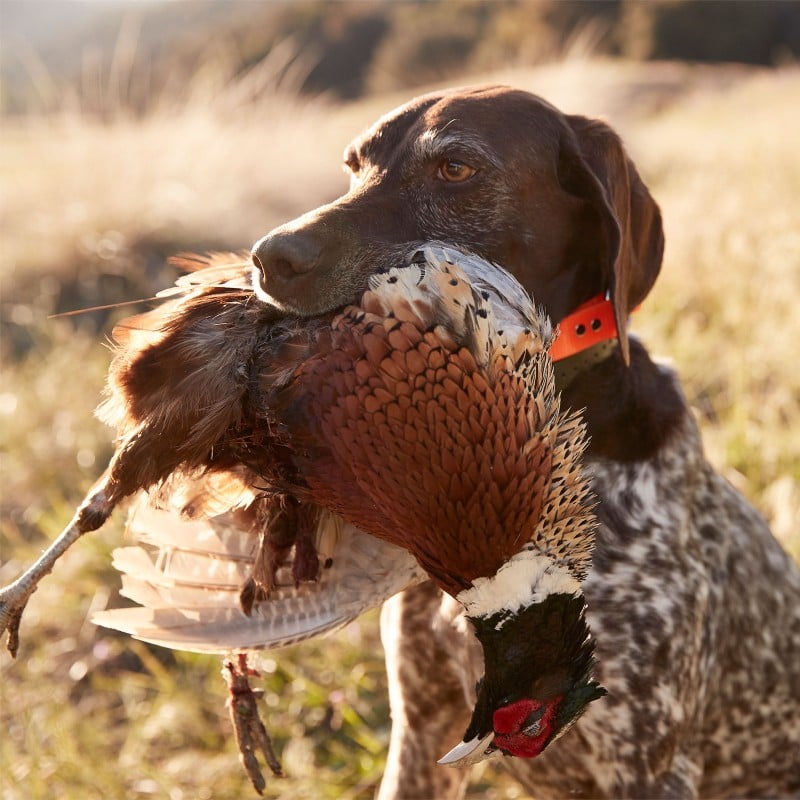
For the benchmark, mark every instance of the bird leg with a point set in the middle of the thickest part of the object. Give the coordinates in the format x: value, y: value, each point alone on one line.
x: 91, y: 515
x: 251, y: 735
x: 132, y: 467
x: 276, y: 535
x: 284, y: 523
x: 305, y: 566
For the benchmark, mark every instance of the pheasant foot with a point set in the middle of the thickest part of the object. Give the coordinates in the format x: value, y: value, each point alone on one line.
x: 251, y: 735
x: 91, y: 515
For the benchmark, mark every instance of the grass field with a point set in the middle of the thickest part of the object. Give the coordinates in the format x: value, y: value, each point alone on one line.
x: 88, y: 213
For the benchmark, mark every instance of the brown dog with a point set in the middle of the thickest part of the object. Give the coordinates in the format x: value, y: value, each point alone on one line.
x: 695, y: 607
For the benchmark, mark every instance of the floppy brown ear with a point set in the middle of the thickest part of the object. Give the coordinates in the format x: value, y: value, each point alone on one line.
x: 595, y: 166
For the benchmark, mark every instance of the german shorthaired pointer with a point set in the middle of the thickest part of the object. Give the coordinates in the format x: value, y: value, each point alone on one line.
x: 695, y: 607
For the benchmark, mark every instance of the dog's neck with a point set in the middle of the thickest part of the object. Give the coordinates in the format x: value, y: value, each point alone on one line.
x: 630, y: 411
x: 568, y: 369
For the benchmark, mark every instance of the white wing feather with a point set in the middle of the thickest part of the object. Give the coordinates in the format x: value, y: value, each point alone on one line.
x: 186, y: 576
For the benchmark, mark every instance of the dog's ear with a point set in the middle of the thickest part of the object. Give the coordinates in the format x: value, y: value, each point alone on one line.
x: 593, y: 165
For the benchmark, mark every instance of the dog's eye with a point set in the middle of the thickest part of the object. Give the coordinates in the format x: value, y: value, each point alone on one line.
x: 454, y: 171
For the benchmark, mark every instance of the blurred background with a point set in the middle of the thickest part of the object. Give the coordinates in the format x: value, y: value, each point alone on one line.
x: 134, y: 130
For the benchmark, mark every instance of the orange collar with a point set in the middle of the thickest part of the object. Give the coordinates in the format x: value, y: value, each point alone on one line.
x: 590, y: 323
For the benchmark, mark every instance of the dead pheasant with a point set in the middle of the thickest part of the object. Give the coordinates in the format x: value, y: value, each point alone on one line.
x: 425, y: 416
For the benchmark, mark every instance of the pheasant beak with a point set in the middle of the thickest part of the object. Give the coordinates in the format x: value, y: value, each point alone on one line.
x: 465, y: 754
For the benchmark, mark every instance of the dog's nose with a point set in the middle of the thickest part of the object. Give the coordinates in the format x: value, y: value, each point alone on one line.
x: 283, y: 255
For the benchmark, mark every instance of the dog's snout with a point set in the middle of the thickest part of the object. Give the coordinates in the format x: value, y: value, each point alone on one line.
x: 283, y: 255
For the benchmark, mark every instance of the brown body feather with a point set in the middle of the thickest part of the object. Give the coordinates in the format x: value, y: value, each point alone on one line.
x: 416, y: 440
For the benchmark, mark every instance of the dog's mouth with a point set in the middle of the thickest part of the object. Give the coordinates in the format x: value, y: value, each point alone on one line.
x: 308, y: 298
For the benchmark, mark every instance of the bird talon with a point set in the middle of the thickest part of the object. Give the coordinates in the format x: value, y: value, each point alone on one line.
x: 249, y: 730
x: 11, y: 611
x: 12, y: 642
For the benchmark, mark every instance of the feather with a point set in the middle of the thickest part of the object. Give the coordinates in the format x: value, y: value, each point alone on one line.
x: 187, y: 576
x: 439, y: 377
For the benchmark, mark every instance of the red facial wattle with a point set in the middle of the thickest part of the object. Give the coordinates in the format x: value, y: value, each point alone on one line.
x: 523, y: 728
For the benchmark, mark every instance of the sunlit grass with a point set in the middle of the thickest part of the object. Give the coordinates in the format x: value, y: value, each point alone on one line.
x: 91, y: 190
x: 87, y: 712
x: 727, y: 174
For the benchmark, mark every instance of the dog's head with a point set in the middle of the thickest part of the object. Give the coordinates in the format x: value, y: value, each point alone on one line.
x: 553, y: 198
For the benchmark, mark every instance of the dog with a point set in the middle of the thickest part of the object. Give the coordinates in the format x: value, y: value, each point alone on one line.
x: 694, y: 605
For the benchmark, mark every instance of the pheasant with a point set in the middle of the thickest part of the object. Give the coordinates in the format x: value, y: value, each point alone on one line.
x: 300, y: 471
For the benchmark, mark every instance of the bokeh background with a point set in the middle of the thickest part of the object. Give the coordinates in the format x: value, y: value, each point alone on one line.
x: 134, y: 130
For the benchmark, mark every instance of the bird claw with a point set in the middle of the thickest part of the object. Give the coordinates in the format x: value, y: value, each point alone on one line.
x: 91, y: 514
x: 11, y: 610
x: 251, y: 735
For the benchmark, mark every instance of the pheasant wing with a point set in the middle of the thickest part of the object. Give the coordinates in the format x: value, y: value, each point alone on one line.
x: 187, y: 575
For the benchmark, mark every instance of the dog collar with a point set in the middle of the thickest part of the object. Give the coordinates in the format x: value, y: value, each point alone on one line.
x: 585, y: 337
x: 568, y: 369
x: 591, y: 323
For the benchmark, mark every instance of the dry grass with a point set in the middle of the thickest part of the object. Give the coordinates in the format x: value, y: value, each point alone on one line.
x: 89, y: 713
x: 727, y: 174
